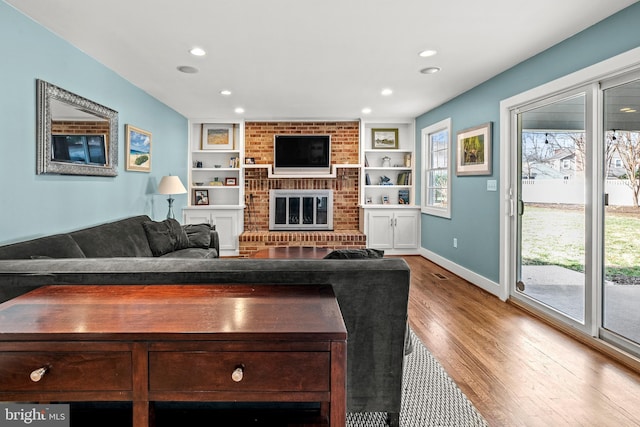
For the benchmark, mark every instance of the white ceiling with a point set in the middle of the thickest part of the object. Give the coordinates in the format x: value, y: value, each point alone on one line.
x: 312, y: 59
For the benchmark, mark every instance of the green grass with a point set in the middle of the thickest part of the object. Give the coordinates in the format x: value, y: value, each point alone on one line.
x: 556, y: 236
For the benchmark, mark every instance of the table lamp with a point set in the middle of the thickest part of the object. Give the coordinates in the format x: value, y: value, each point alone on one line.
x: 171, y: 185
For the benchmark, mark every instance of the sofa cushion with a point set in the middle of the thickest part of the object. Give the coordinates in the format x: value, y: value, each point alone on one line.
x: 123, y: 238
x: 56, y: 246
x: 199, y: 235
x: 355, y: 254
x: 165, y: 236
x: 192, y: 253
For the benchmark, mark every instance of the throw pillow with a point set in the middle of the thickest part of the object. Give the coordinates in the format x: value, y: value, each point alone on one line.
x: 165, y: 236
x: 198, y: 235
x: 355, y: 254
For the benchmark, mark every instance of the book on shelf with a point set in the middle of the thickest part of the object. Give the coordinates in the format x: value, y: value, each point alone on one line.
x: 234, y: 162
x: 404, y: 178
x: 403, y: 196
x: 367, y: 180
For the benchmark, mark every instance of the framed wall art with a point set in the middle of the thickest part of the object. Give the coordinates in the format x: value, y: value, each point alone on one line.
x: 384, y: 139
x: 474, y: 151
x: 230, y: 180
x: 138, y: 149
x: 217, y: 137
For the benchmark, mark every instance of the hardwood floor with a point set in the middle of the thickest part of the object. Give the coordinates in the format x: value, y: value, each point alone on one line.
x: 516, y: 369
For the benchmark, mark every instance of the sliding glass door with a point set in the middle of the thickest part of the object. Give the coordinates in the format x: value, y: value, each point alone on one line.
x: 551, y: 215
x: 575, y: 221
x: 621, y: 282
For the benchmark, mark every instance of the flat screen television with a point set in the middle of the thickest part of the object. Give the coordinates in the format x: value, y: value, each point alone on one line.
x: 302, y: 154
x: 83, y: 149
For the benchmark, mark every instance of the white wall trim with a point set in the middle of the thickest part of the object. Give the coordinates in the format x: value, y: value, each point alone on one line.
x: 470, y: 276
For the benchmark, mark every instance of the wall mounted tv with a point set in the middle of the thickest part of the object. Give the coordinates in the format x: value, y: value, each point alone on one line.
x: 82, y: 149
x: 302, y: 154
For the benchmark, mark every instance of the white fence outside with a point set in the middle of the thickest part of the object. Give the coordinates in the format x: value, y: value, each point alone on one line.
x: 571, y: 191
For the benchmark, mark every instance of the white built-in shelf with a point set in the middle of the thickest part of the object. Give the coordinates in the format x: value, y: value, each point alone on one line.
x: 332, y: 174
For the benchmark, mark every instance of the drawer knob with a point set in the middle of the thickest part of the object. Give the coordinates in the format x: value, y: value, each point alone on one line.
x: 38, y: 374
x: 237, y: 374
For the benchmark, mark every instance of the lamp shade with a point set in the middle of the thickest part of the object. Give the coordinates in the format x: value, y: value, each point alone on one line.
x: 171, y: 185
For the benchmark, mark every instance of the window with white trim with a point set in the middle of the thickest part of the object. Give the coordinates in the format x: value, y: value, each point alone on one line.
x: 436, y: 169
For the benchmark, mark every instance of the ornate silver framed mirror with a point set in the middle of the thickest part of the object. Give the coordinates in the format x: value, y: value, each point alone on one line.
x: 75, y: 136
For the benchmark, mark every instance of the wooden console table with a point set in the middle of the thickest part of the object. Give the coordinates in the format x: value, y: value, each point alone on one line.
x: 218, y: 343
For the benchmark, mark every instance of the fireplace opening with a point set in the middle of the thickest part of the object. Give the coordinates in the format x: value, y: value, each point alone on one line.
x: 300, y: 210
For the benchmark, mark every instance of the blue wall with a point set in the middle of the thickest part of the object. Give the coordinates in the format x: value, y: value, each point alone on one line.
x: 35, y: 205
x: 475, y: 217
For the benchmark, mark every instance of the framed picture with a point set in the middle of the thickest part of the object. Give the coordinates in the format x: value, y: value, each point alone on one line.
x: 217, y: 137
x: 138, y: 149
x: 230, y: 181
x: 201, y: 197
x: 384, y: 138
x: 474, y: 151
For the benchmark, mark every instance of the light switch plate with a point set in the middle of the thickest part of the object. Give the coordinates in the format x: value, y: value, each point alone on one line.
x: 492, y: 185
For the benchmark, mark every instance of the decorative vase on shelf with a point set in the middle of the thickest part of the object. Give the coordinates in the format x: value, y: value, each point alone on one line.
x: 386, y: 162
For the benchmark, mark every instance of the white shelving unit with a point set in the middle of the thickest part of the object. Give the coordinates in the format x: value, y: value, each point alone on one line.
x: 388, y: 223
x: 217, y: 173
x: 399, y: 167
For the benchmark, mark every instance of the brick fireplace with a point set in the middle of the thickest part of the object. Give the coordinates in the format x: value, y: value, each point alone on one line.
x: 345, y: 187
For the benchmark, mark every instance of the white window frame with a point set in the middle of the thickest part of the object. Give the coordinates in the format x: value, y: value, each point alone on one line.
x: 426, y: 208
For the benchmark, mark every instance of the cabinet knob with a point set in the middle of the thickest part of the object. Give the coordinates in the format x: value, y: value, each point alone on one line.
x: 238, y: 374
x: 38, y: 374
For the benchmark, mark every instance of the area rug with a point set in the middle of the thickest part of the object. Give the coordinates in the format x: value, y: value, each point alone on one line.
x: 429, y: 397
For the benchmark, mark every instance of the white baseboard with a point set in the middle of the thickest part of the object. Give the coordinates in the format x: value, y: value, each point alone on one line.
x: 470, y: 276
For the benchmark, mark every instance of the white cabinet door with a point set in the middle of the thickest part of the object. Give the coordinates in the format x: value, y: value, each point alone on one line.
x: 226, y: 225
x: 394, y: 230
x: 405, y: 230
x: 197, y: 217
x: 226, y: 221
x: 380, y: 229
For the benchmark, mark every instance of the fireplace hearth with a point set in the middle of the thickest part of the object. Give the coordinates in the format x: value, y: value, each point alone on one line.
x: 301, y: 210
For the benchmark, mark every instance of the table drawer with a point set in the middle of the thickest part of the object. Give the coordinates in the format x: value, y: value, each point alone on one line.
x: 66, y: 371
x: 261, y: 371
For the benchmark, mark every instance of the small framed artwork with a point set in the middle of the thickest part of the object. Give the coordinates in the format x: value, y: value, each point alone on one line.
x: 230, y: 180
x: 384, y: 139
x: 138, y: 149
x: 201, y: 197
x: 474, y: 151
x: 249, y: 161
x: 217, y: 137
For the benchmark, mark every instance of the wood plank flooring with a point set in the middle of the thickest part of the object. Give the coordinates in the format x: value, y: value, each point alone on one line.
x: 516, y: 369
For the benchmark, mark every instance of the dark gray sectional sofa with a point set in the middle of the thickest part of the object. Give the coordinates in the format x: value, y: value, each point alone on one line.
x: 137, y: 236
x: 372, y: 294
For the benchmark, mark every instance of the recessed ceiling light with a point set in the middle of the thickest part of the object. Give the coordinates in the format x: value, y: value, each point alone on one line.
x: 386, y: 92
x: 366, y: 110
x: 430, y: 70
x: 187, y: 69
x: 239, y: 110
x: 225, y: 92
x: 197, y: 51
x: 427, y: 53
